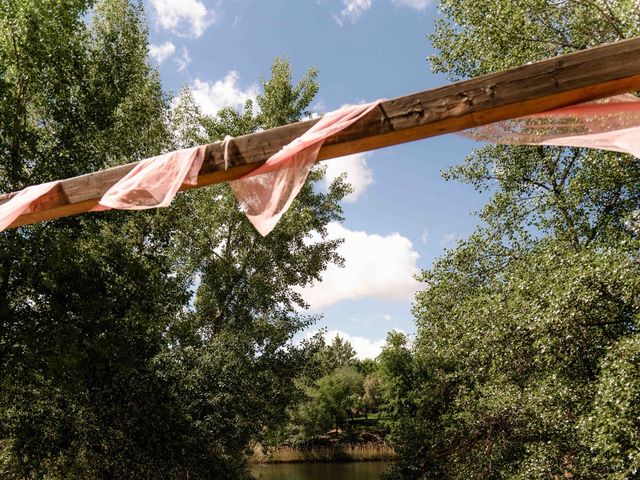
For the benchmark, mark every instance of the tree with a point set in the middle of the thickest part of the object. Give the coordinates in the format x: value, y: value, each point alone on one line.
x: 372, y: 396
x: 326, y: 358
x: 610, y: 430
x: 395, y: 369
x: 338, y: 394
x: 328, y: 402
x: 340, y: 353
x: 109, y: 367
x: 244, y: 282
x: 366, y: 366
x: 473, y: 38
x: 519, y: 324
x: 84, y: 301
x: 330, y: 387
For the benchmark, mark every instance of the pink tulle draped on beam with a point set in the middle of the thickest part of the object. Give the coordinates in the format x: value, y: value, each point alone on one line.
x: 609, y: 124
x: 23, y: 202
x: 266, y: 193
x: 155, y: 181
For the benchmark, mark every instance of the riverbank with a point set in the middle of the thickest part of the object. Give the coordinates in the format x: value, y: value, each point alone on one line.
x: 366, y: 452
x: 363, y: 441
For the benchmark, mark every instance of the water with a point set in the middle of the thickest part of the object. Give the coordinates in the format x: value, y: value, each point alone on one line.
x: 321, y: 471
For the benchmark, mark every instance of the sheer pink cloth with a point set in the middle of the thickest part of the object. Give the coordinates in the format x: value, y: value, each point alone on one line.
x: 155, y: 181
x: 23, y: 202
x: 266, y: 193
x: 608, y: 124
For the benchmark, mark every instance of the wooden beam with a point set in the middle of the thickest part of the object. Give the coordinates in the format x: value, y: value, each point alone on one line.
x: 534, y: 88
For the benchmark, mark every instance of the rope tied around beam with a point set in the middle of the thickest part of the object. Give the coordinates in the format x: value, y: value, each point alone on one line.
x: 225, y: 148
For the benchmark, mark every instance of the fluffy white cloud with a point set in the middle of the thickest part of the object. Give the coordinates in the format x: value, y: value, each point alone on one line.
x: 213, y: 96
x: 364, y: 347
x: 376, y: 266
x: 415, y: 4
x: 187, y: 18
x: 183, y: 60
x: 353, y: 9
x: 359, y: 175
x: 161, y: 52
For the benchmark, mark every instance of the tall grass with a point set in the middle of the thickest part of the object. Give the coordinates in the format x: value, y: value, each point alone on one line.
x: 366, y: 452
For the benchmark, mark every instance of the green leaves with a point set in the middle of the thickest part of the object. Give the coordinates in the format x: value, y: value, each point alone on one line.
x: 524, y: 360
x: 475, y: 37
x: 139, y: 345
x: 609, y: 432
x: 283, y: 103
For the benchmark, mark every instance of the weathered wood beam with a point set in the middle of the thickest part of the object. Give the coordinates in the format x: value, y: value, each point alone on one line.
x: 533, y: 88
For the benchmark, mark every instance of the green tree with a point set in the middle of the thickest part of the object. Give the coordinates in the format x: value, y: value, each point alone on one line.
x: 244, y: 282
x: 327, y: 403
x: 326, y: 358
x: 518, y: 327
x: 84, y: 300
x: 366, y: 366
x: 395, y: 369
x: 372, y: 396
x: 610, y: 430
x: 109, y: 366
x: 338, y: 394
x: 340, y: 353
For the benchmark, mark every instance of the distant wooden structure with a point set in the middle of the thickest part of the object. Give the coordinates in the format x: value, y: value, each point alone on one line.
x: 578, y: 77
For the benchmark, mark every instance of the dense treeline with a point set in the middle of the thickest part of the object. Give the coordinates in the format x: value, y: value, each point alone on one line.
x: 110, y: 367
x: 527, y: 357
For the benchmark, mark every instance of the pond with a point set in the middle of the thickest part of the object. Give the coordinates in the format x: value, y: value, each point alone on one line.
x: 317, y: 471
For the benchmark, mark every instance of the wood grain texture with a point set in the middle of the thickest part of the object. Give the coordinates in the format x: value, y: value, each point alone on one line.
x: 534, y: 88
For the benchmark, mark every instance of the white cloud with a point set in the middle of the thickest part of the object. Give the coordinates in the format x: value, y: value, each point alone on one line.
x: 352, y: 10
x: 364, y: 347
x: 161, y: 52
x: 449, y: 240
x: 213, y: 96
x: 415, y: 4
x: 183, y: 60
x: 425, y: 236
x: 359, y: 175
x: 376, y: 266
x: 186, y: 18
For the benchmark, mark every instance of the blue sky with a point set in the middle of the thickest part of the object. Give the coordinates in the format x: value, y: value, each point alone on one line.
x: 403, y: 214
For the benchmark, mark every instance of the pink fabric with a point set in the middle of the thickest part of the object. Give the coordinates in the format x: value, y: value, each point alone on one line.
x: 155, y: 181
x: 266, y: 193
x: 23, y: 202
x: 609, y: 124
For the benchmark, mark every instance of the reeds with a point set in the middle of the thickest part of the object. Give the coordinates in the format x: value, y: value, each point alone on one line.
x: 375, y: 451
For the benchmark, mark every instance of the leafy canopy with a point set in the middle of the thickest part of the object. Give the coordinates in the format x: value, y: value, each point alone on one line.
x: 139, y: 345
x: 520, y: 327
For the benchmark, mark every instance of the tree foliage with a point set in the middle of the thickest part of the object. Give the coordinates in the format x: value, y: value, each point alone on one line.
x: 138, y: 345
x: 330, y: 390
x: 524, y: 363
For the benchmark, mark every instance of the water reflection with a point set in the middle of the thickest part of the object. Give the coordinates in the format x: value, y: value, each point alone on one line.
x: 318, y: 471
